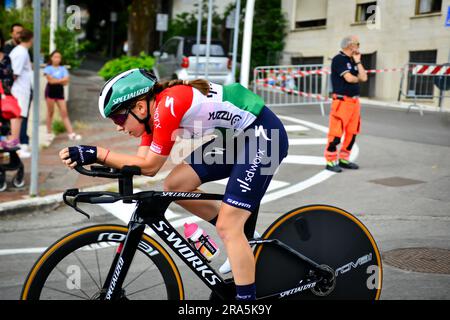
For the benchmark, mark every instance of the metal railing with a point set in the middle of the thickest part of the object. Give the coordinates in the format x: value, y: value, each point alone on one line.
x: 292, y: 85
x: 425, y: 81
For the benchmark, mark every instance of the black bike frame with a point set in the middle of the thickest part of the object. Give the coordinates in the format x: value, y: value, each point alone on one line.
x: 150, y: 211
x: 154, y: 218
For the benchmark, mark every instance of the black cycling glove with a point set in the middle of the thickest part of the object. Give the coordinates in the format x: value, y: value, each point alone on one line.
x: 83, y: 155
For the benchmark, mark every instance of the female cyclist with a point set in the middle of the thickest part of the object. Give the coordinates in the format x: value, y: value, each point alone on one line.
x: 153, y: 111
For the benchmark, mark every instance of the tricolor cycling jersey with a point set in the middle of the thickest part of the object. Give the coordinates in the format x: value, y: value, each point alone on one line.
x: 228, y: 107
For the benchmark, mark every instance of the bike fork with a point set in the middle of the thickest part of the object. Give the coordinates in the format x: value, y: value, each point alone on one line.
x: 112, y: 287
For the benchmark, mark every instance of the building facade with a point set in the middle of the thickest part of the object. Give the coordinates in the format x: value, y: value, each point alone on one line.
x: 392, y: 33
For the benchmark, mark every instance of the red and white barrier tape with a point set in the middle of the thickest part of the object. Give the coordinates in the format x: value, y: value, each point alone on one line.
x: 288, y: 74
x: 431, y: 70
x: 284, y: 74
x: 300, y: 93
x: 385, y: 70
x: 280, y: 74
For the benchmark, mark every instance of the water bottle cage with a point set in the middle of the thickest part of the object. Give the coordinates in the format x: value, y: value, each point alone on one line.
x: 194, y: 243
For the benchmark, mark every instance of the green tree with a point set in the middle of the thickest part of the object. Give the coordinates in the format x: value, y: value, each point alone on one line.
x: 141, y: 26
x: 269, y: 32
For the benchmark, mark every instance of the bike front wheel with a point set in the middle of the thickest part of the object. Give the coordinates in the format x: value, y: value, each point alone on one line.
x: 76, y: 266
x: 329, y: 236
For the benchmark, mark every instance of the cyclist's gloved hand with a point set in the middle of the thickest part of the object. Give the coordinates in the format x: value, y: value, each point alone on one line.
x: 83, y: 155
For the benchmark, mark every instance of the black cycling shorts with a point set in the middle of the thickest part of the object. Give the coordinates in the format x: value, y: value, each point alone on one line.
x: 249, y: 160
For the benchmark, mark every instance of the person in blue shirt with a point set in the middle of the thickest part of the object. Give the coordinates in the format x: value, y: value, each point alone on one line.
x: 57, y: 77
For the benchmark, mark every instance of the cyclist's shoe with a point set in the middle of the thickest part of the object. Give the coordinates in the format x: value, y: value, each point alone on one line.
x: 226, y: 267
x: 333, y: 166
x: 347, y: 164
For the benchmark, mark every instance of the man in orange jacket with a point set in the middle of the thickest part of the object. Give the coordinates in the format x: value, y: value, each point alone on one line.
x: 346, y: 74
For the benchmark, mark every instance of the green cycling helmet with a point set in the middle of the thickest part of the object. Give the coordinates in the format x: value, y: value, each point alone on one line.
x: 124, y: 89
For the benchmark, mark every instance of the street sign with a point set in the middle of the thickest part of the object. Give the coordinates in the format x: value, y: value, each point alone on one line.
x: 447, y: 21
x: 113, y: 16
x: 162, y: 22
x: 230, y: 20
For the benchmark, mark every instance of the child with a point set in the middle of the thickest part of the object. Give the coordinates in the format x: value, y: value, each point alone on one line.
x: 57, y: 77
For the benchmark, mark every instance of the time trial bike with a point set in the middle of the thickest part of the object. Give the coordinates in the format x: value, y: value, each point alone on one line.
x: 311, y: 252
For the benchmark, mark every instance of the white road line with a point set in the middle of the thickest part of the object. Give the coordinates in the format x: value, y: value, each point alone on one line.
x: 305, y: 123
x: 6, y: 252
x: 293, y: 128
x: 306, y: 160
x: 316, y: 179
x: 307, y: 142
x: 320, y: 177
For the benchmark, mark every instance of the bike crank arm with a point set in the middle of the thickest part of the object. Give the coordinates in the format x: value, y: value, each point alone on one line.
x: 277, y: 242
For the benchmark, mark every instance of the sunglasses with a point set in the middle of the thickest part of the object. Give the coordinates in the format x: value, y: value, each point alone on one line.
x: 120, y: 118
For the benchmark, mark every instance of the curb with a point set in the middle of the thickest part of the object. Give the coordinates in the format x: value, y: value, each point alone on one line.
x: 51, y: 202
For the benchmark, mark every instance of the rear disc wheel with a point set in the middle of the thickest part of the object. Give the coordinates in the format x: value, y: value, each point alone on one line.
x: 329, y: 236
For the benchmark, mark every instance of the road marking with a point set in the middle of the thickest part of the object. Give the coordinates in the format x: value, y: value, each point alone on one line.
x: 294, y: 128
x: 307, y: 142
x: 318, y: 178
x: 306, y: 160
x: 6, y: 252
x: 306, y: 123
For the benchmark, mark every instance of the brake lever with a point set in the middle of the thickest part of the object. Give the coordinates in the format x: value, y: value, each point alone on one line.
x: 73, y: 193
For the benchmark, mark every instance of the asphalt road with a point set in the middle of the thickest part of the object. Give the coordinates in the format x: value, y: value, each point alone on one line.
x: 393, y: 144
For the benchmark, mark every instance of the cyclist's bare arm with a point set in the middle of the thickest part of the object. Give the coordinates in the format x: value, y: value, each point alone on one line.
x: 142, y: 151
x: 149, y: 164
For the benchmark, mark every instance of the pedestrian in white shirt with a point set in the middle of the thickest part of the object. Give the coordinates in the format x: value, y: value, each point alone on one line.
x: 23, y: 77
